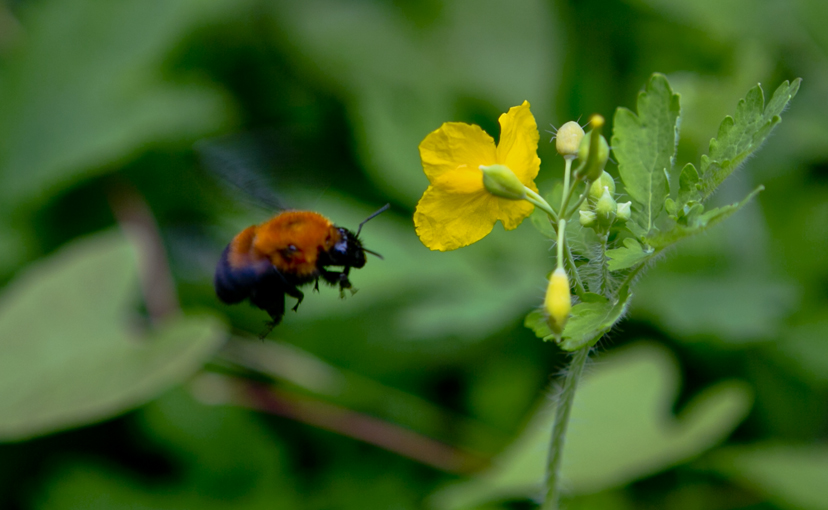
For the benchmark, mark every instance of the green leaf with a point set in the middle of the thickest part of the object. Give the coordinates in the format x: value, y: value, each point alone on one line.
x: 688, y: 185
x: 86, y: 88
x: 739, y: 137
x: 645, y: 146
x: 696, y: 223
x: 622, y: 429
x: 69, y: 353
x: 242, y: 465
x: 590, y: 319
x: 791, y: 476
x: 536, y: 321
x: 725, y: 310
x: 630, y: 255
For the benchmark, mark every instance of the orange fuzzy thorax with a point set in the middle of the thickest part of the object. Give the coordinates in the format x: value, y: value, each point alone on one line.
x: 307, y: 232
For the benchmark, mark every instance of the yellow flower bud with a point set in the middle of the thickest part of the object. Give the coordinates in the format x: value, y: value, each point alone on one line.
x: 558, y: 301
x: 568, y: 139
x: 499, y: 180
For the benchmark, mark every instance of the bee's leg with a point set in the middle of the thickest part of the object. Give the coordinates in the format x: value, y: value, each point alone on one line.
x: 339, y: 278
x: 316, y: 285
x: 294, y: 292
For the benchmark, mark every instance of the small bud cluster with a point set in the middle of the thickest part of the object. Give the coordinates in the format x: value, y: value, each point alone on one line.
x: 600, y: 209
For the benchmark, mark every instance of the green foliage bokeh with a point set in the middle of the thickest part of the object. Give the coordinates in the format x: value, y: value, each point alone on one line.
x: 715, y: 398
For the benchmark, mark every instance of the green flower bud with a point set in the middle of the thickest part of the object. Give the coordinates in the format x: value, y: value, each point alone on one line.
x: 606, y: 208
x: 568, y: 139
x: 624, y: 212
x: 596, y: 189
x: 593, y: 151
x: 499, y: 180
x: 587, y: 218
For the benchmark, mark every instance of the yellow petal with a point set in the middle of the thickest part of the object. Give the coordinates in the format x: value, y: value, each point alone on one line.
x: 455, y: 145
x: 447, y: 221
x: 518, y: 147
x: 512, y: 212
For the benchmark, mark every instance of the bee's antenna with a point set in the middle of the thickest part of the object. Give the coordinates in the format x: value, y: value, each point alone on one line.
x: 380, y: 211
x: 372, y: 252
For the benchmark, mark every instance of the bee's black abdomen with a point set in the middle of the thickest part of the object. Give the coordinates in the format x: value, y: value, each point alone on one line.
x: 234, y: 285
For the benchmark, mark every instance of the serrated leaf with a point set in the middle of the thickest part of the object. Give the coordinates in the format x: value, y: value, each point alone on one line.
x: 740, y: 136
x: 590, y: 319
x: 645, y: 146
x: 635, y: 228
x: 688, y: 181
x: 68, y: 353
x: 696, y: 224
x: 630, y: 255
x: 622, y: 429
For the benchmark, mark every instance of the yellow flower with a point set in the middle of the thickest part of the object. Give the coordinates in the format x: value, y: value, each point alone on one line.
x: 456, y: 210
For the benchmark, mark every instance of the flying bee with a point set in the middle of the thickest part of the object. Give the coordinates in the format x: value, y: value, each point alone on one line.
x: 266, y: 262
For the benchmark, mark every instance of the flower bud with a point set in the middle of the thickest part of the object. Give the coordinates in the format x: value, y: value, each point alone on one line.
x: 587, y: 218
x: 606, y: 208
x: 593, y: 151
x: 499, y: 180
x: 568, y: 139
x: 624, y: 212
x: 558, y: 301
x: 596, y: 189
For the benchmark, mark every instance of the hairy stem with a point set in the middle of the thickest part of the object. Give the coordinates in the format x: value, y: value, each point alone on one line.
x: 556, y: 446
x: 605, y: 283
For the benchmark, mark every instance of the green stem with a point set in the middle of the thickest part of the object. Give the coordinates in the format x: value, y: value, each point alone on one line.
x: 561, y: 238
x: 562, y: 411
x: 580, y: 201
x: 605, y: 283
x: 538, y: 201
x: 579, y: 285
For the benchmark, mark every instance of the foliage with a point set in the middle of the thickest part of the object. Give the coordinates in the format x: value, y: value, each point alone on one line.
x: 102, y: 404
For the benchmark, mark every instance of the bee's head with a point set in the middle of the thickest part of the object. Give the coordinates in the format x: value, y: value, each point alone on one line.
x: 348, y: 251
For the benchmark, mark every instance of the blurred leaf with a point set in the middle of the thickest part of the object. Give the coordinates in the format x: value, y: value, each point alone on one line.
x: 228, y: 458
x: 645, y: 146
x: 630, y: 255
x: 738, y: 138
x: 68, y: 355
x: 731, y: 309
x: 85, y: 90
x: 621, y: 430
x: 696, y: 223
x: 791, y: 476
x: 805, y: 350
x: 401, y: 81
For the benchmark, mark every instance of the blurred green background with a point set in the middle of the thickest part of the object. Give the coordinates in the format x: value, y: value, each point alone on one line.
x: 424, y: 390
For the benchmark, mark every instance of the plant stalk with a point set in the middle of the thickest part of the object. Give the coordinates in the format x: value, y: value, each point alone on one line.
x: 562, y: 411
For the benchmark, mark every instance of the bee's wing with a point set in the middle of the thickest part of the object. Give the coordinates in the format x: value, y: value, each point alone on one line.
x: 242, y: 162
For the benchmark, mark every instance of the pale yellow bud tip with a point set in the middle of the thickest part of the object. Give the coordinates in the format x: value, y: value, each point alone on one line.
x: 558, y: 301
x: 568, y: 139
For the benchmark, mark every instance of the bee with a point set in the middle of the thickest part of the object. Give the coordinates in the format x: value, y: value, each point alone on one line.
x: 266, y: 262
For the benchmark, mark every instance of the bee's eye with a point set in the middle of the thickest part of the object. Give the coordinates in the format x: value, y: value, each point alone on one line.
x: 292, y: 247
